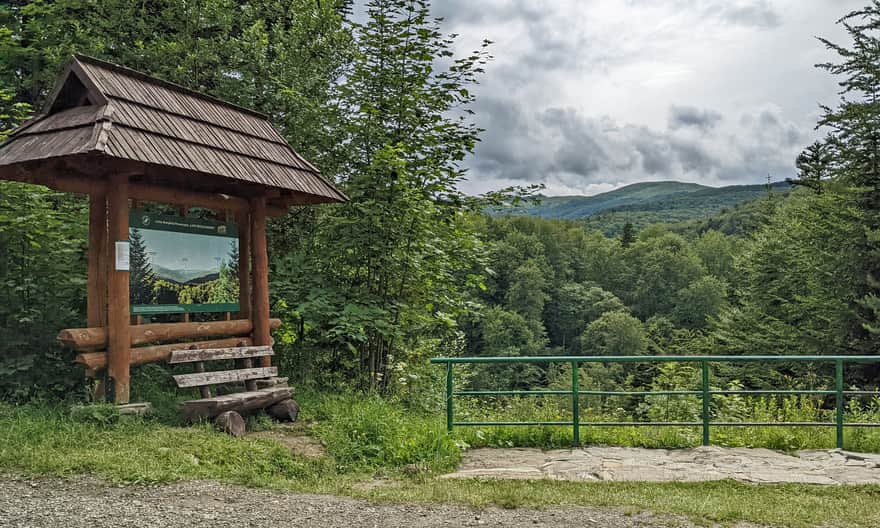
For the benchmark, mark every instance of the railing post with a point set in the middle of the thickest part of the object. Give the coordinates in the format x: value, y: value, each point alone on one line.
x: 839, y: 397
x: 449, y: 396
x: 575, y: 404
x: 706, y: 396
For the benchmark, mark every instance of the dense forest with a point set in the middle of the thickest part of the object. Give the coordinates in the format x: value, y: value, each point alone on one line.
x: 411, y: 267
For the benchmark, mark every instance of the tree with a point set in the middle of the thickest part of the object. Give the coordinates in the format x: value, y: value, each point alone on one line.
x: 400, y: 261
x: 854, y: 139
x: 615, y: 334
x: 141, y: 277
x: 225, y: 288
x: 699, y: 301
x: 716, y: 252
x: 628, y: 236
x: 814, y: 166
x: 572, y: 307
x: 502, y: 334
x: 527, y: 292
x: 42, y: 289
x: 662, y: 264
x: 799, y: 281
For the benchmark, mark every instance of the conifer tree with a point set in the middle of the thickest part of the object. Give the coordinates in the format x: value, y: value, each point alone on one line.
x: 141, y: 276
x: 628, y: 236
x: 854, y: 138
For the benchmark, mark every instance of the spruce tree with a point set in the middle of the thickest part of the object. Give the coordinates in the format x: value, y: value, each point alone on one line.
x: 628, y: 236
x: 141, y: 276
x: 814, y: 166
x: 854, y: 138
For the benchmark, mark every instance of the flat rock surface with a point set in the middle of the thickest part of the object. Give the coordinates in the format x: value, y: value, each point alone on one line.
x: 90, y: 503
x: 673, y: 465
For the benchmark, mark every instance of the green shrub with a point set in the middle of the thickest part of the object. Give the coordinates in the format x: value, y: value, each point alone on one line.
x: 366, y: 432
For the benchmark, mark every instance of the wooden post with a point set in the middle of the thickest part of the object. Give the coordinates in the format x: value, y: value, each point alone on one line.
x: 97, y: 274
x: 118, y: 308
x: 260, y: 258
x: 244, y: 265
x: 97, y: 278
x: 183, y: 211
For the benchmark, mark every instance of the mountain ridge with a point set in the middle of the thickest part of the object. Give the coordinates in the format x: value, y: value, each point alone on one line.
x: 672, y: 199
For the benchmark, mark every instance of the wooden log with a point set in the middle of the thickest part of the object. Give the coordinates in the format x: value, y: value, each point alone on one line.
x: 249, y: 385
x: 96, y: 338
x: 240, y: 402
x: 118, y: 308
x: 260, y: 257
x: 284, y: 411
x: 231, y: 423
x: 97, y: 276
x: 97, y: 271
x: 214, y: 354
x: 146, y: 192
x: 154, y: 354
x: 199, y: 379
x: 205, y: 392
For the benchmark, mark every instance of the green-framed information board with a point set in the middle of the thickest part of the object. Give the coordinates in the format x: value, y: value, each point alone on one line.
x: 182, y: 265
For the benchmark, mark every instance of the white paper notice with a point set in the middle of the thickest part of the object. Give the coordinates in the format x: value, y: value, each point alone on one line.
x: 122, y: 255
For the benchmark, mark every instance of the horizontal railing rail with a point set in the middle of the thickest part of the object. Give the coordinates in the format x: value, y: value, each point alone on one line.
x: 705, y: 392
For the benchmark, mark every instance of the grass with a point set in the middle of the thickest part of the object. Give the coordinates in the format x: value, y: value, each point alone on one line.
x: 787, y: 409
x: 368, y: 438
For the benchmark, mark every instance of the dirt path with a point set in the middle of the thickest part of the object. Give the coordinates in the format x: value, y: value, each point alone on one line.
x: 89, y: 503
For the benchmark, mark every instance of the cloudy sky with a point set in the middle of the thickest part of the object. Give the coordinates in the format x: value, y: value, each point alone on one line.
x: 588, y: 95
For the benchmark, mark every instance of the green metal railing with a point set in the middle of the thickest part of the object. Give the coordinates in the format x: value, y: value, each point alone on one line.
x: 705, y: 392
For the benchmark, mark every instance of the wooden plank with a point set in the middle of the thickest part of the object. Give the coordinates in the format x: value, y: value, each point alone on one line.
x: 154, y: 354
x: 96, y: 338
x: 118, y: 308
x: 260, y: 258
x: 244, y: 401
x: 215, y: 354
x: 223, y: 376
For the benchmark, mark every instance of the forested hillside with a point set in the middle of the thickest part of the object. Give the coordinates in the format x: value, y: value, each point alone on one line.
x: 411, y: 267
x: 643, y: 204
x: 574, y: 207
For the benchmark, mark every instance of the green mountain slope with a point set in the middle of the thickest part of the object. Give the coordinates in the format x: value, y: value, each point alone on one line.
x: 696, y: 206
x: 575, y: 207
x: 643, y: 204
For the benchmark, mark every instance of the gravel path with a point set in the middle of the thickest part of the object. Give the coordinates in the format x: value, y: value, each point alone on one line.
x: 89, y: 503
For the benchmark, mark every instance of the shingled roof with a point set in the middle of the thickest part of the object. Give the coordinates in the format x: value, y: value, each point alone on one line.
x: 105, y: 110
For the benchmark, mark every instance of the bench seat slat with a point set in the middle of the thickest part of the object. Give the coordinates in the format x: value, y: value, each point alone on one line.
x: 212, y: 354
x: 243, y: 401
x: 200, y: 379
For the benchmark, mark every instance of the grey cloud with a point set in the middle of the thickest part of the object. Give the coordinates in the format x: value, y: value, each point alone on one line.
x: 689, y: 116
x: 749, y: 13
x: 476, y: 12
x: 560, y: 145
x: 757, y: 14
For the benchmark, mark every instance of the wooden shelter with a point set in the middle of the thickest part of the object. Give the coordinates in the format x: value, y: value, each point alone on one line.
x: 119, y: 135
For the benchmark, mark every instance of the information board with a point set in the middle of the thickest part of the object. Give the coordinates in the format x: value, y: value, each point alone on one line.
x: 180, y: 265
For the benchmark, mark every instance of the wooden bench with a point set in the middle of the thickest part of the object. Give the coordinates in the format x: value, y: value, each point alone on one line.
x: 263, y: 389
